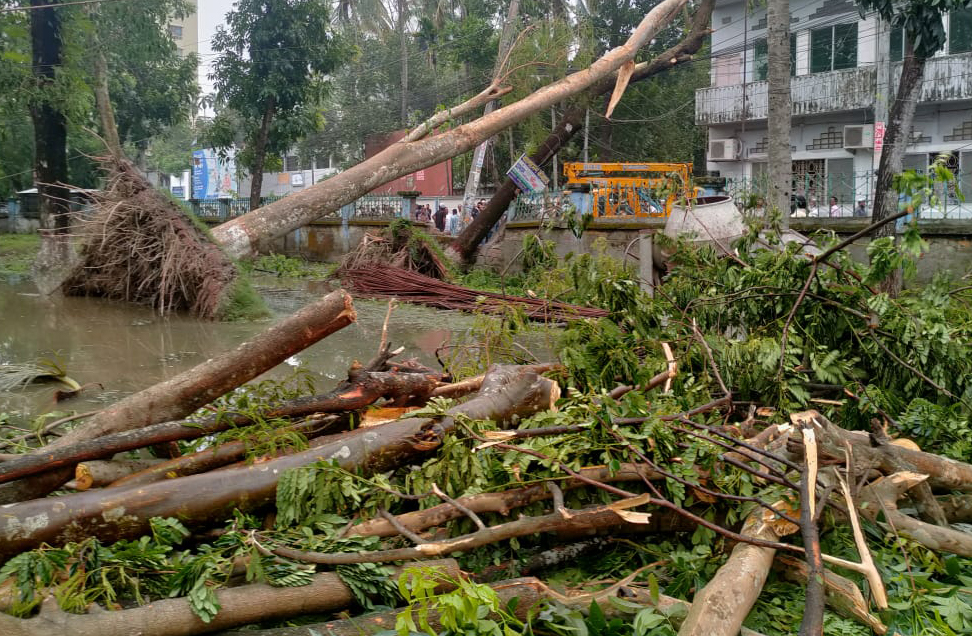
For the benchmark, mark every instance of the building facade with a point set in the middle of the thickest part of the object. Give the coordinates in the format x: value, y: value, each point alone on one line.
x: 845, y: 70
x: 185, y: 31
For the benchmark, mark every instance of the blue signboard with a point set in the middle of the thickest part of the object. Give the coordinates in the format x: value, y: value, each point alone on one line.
x: 179, y: 192
x: 212, y: 176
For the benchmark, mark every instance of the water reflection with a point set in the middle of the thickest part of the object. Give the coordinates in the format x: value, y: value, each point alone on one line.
x: 126, y: 348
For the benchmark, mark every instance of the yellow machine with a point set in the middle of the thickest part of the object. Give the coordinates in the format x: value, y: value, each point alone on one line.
x: 631, y: 189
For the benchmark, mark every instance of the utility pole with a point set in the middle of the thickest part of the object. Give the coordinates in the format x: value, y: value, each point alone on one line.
x: 778, y: 60
x: 479, y: 154
x: 50, y: 124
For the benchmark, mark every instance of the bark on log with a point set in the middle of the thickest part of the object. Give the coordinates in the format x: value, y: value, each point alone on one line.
x: 957, y: 508
x: 216, y: 457
x: 96, y: 474
x: 880, y: 500
x: 241, y: 236
x: 174, y: 617
x: 943, y: 473
x: 186, y: 392
x: 496, y: 502
x: 507, y: 392
x: 720, y: 608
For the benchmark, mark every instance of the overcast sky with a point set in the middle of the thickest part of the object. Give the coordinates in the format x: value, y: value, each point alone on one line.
x: 211, y: 14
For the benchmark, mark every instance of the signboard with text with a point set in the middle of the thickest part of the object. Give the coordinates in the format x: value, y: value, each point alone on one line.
x: 527, y: 175
x: 878, y: 136
x: 212, y: 176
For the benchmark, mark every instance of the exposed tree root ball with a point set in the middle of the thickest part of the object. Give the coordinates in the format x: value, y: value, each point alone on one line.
x: 402, y: 246
x: 142, y: 247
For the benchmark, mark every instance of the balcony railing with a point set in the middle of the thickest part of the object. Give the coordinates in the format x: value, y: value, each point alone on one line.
x: 848, y: 89
x: 947, y: 78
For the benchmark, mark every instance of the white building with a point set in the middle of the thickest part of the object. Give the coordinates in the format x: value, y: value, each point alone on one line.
x: 185, y: 31
x: 845, y: 71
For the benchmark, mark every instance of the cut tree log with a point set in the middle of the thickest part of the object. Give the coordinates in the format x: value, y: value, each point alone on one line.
x: 720, y: 608
x: 174, y: 617
x: 96, y: 474
x: 943, y: 473
x: 496, y: 502
x: 880, y: 504
x: 189, y: 390
x: 241, y: 236
x: 507, y: 393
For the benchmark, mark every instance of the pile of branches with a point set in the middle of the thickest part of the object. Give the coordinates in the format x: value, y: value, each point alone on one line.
x: 140, y: 246
x: 401, y: 246
x: 700, y: 484
x: 387, y: 282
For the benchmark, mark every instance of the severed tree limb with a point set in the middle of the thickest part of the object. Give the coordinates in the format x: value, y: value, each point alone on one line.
x: 189, y: 390
x: 881, y: 498
x: 508, y: 392
x: 813, y: 614
x: 497, y: 502
x: 242, y: 235
x: 218, y: 456
x: 943, y: 473
x: 491, y: 92
x: 842, y: 594
x: 609, y: 515
x: 866, y: 566
x: 720, y: 607
x: 957, y: 508
x: 95, y: 474
x: 174, y: 617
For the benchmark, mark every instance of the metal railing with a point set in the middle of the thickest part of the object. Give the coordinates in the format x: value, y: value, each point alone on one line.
x: 368, y: 207
x: 849, y: 189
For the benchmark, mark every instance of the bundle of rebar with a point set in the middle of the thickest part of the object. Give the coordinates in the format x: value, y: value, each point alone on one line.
x: 389, y: 282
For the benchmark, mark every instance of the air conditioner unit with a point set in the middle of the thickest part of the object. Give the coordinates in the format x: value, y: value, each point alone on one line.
x: 859, y: 137
x: 724, y: 149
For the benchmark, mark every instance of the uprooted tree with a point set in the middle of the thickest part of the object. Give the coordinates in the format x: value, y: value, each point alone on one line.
x: 693, y: 463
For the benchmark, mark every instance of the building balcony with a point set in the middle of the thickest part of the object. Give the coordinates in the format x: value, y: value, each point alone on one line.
x: 849, y: 89
x: 947, y: 78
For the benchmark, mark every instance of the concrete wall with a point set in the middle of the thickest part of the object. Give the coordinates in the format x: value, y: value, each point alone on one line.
x: 950, y: 242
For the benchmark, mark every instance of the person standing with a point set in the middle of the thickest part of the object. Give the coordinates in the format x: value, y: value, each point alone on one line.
x: 440, y: 218
x: 834, y: 207
x: 860, y: 210
x: 454, y: 222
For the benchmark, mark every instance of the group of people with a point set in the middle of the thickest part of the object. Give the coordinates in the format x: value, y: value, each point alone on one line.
x: 800, y: 208
x: 445, y: 221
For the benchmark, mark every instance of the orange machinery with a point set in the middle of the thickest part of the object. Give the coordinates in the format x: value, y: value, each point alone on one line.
x: 631, y: 189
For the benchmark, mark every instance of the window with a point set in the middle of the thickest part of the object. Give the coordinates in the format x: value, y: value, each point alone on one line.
x: 897, y: 44
x: 175, y: 31
x: 291, y: 163
x: 761, y: 58
x: 960, y: 31
x: 833, y: 48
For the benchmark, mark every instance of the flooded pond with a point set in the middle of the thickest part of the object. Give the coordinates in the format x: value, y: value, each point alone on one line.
x: 126, y: 348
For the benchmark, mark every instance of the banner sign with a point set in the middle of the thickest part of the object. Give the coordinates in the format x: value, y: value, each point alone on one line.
x: 527, y: 176
x: 212, y: 176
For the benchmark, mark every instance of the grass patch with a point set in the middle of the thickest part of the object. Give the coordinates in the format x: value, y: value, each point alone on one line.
x: 288, y: 267
x: 17, y: 252
x: 242, y: 302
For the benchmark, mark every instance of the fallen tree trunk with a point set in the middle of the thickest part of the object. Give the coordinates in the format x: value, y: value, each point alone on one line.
x: 507, y: 392
x: 464, y: 246
x: 174, y: 617
x: 186, y: 392
x: 720, y: 608
x: 241, y: 236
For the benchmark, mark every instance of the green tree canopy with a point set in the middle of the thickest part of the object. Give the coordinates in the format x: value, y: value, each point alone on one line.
x: 920, y: 19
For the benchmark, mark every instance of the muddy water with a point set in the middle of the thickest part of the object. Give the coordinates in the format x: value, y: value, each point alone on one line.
x: 126, y: 348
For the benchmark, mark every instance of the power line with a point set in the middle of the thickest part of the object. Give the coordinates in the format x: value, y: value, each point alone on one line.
x: 57, y: 5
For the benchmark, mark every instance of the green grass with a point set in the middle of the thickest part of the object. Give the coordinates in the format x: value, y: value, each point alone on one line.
x: 17, y: 252
x: 242, y: 302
